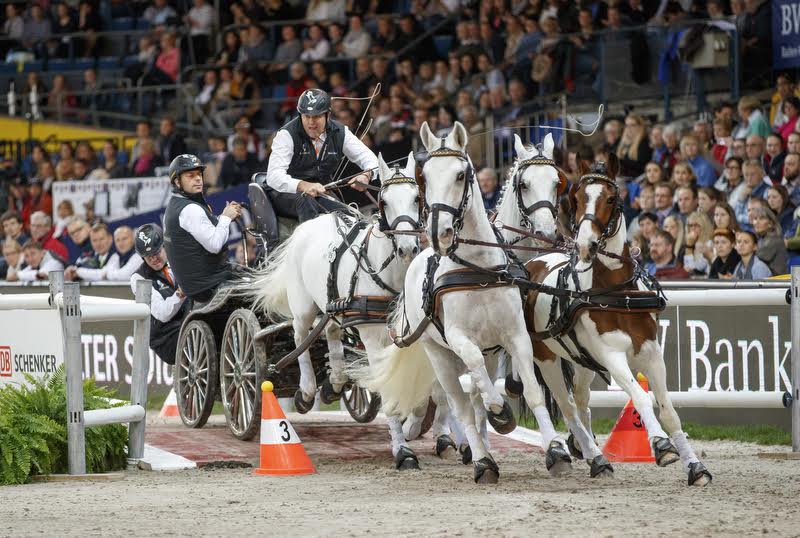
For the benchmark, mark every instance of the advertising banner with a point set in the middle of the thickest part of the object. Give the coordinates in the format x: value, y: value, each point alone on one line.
x: 114, y: 199
x: 785, y: 34
x: 30, y: 343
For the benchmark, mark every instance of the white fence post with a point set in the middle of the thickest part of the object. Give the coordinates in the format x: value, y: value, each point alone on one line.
x: 141, y: 366
x: 73, y: 362
x: 795, y: 290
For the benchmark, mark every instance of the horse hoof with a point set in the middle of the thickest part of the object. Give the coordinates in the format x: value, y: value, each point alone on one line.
x: 504, y: 421
x: 466, y: 454
x: 557, y: 459
x: 600, y: 467
x: 572, y: 445
x: 327, y: 394
x: 445, y: 447
x: 698, y: 474
x: 300, y: 404
x: 514, y: 388
x: 486, y: 471
x: 406, y: 460
x: 664, y: 451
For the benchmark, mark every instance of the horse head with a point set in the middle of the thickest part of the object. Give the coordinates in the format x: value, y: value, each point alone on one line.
x: 449, y: 178
x: 597, y: 208
x: 400, y: 206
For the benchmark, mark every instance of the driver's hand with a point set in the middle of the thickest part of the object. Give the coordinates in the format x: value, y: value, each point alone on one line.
x: 232, y: 210
x: 310, y: 189
x: 359, y: 182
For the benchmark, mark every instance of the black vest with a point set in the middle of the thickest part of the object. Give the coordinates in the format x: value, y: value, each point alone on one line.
x: 196, y: 269
x: 164, y: 335
x: 306, y: 165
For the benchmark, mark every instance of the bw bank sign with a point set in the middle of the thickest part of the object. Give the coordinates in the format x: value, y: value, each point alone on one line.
x: 785, y: 33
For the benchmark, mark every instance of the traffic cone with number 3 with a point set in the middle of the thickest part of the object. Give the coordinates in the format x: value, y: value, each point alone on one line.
x: 282, y: 452
x: 628, y: 440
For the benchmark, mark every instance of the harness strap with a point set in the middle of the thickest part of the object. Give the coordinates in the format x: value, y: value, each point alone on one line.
x: 306, y: 343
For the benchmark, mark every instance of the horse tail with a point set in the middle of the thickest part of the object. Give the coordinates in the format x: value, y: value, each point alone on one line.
x: 403, y: 376
x: 268, y: 284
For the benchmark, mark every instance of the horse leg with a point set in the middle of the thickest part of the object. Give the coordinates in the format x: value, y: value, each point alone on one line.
x: 304, y: 397
x: 652, y: 365
x: 480, y: 415
x: 581, y: 391
x: 412, y: 426
x: 554, y: 378
x: 331, y: 390
x: 404, y: 457
x: 557, y: 458
x: 440, y: 429
x: 446, y: 365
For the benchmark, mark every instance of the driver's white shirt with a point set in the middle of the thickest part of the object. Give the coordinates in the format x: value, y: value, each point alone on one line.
x: 195, y: 221
x: 283, y: 151
x: 161, y: 309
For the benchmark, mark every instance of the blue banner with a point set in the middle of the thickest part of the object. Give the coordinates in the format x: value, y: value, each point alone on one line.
x: 785, y: 34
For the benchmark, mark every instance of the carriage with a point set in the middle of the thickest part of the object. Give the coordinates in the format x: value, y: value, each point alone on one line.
x: 225, y: 351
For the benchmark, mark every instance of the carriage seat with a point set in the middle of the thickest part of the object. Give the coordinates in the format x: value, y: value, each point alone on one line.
x: 264, y: 218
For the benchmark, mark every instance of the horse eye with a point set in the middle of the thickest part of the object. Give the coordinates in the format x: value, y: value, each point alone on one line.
x: 460, y: 176
x: 610, y: 200
x: 523, y: 186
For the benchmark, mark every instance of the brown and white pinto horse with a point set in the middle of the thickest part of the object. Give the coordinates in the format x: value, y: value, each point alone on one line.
x: 619, y: 342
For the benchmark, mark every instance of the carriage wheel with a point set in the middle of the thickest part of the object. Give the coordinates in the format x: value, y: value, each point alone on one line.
x: 362, y: 404
x: 241, y: 374
x: 196, y: 373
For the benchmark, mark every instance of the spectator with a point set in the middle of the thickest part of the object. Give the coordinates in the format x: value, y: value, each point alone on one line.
x: 490, y: 188
x: 92, y: 99
x: 727, y: 258
x: 675, y: 227
x: 13, y: 27
x: 774, y: 157
x: 722, y: 139
x: 754, y: 187
x: 46, y: 174
x: 664, y: 265
x: 37, y: 30
x: 11, y: 261
x: 750, y: 267
x: 298, y: 83
x: 784, y: 88
x: 687, y: 203
x: 13, y: 227
x: 42, y: 232
x: 793, y: 143
x: 647, y: 223
x: 663, y: 201
x: 168, y: 63
x: 160, y: 14
x: 791, y: 177
x: 64, y: 213
x: 79, y: 245
x: 145, y: 165
x: 122, y: 262
x: 316, y: 47
x: 110, y: 165
x: 239, y: 165
x: 699, y: 251
x: 791, y: 109
x: 217, y: 150
x: 102, y: 252
x: 143, y: 132
x: 289, y: 50
x: 257, y: 48
x: 771, y: 248
x: 669, y: 154
x: 778, y: 201
x: 683, y: 176
x: 730, y: 182
x: 357, y: 41
x: 38, y: 263
x: 725, y: 217
x: 753, y: 122
x: 200, y: 20
x: 231, y: 47
x: 703, y: 170
x: 170, y: 144
x: 244, y: 130
x: 325, y: 10
x: 59, y: 100
x: 634, y: 148
x: 756, y: 39
x: 89, y: 23
x: 707, y: 199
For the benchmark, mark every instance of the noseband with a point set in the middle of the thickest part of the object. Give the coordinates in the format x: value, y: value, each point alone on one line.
x: 383, y: 224
x: 457, y: 212
x: 526, y: 211
x: 614, y: 222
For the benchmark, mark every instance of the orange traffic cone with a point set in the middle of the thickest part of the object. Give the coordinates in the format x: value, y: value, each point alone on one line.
x: 282, y: 451
x: 628, y: 441
x: 170, y: 407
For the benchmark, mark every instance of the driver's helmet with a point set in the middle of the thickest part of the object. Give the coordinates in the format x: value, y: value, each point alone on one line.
x: 149, y: 239
x: 314, y: 102
x: 184, y: 163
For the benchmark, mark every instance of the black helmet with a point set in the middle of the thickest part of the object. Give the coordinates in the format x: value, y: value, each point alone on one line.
x: 149, y: 239
x: 184, y: 163
x: 314, y: 102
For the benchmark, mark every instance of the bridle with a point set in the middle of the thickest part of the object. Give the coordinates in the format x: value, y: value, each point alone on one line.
x: 610, y: 228
x: 383, y: 224
x: 458, y: 212
x: 526, y: 211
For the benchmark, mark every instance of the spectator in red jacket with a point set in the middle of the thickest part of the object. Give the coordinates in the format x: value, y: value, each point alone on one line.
x: 42, y: 231
x: 37, y: 199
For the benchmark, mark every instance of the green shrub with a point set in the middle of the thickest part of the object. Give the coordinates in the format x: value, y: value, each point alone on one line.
x: 33, y: 433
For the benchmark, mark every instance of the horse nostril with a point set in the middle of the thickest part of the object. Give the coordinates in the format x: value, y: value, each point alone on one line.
x: 415, y: 250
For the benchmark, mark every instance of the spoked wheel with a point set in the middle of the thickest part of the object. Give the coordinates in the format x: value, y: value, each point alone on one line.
x: 362, y: 404
x: 196, y: 374
x: 241, y: 374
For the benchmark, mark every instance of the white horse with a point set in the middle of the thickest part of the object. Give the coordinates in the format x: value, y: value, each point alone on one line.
x: 471, y: 320
x: 619, y: 342
x: 293, y: 283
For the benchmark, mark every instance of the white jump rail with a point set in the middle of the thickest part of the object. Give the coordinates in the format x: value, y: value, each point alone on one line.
x: 73, y: 310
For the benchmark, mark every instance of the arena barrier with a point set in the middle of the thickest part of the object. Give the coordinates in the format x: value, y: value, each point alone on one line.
x: 70, y: 310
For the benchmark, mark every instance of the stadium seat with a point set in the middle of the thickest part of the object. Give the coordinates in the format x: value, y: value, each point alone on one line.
x: 123, y: 24
x: 82, y: 64
x: 35, y: 65
x: 142, y: 24
x: 108, y: 62
x: 59, y: 64
x: 443, y: 44
x: 279, y: 91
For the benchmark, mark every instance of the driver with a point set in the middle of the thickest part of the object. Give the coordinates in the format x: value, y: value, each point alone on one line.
x: 194, y: 237
x: 306, y: 153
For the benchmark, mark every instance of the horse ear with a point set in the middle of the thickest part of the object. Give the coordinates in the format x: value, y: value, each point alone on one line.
x: 383, y: 170
x: 573, y: 199
x: 459, y: 136
x: 428, y: 138
x: 583, y: 166
x: 411, y: 166
x: 548, y: 146
x: 519, y: 147
x: 613, y: 165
